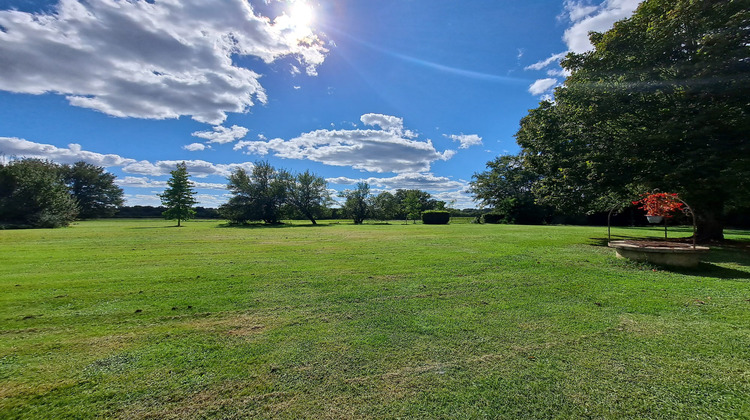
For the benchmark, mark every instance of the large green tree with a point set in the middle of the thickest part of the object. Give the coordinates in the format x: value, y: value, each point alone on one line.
x: 506, y: 188
x: 660, y: 103
x: 308, y: 194
x: 258, y: 195
x: 179, y: 196
x: 93, y: 189
x: 357, y: 204
x: 33, y: 194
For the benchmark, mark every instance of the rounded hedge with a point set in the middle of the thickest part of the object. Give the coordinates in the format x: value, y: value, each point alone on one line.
x: 436, y: 217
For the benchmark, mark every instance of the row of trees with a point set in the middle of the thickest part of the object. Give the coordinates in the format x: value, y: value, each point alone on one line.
x: 38, y: 193
x: 661, y: 103
x: 268, y: 194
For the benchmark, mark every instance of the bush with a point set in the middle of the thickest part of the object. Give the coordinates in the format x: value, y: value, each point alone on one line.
x: 493, y: 218
x: 436, y: 217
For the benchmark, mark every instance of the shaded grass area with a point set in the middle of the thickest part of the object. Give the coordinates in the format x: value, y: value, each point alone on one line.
x: 129, y: 319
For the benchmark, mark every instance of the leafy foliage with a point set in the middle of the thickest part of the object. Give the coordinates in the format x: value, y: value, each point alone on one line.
x: 257, y: 196
x: 357, y: 204
x: 506, y: 187
x: 308, y: 194
x: 436, y: 217
x: 660, y: 103
x: 93, y: 189
x: 178, y: 197
x: 33, y: 194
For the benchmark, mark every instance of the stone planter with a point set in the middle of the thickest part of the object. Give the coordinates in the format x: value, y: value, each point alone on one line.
x: 660, y: 253
x: 654, y: 219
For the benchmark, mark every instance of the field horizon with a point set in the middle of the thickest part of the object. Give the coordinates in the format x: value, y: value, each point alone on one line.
x: 135, y: 318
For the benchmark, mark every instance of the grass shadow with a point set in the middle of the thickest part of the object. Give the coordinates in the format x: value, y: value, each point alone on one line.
x: 270, y: 226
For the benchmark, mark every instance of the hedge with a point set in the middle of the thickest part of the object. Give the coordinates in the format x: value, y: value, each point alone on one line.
x: 436, y: 217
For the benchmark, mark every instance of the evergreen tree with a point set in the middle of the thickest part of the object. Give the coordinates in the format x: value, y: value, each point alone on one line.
x: 178, y: 197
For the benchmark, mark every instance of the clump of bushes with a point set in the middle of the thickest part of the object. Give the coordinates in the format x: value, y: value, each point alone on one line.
x: 436, y: 217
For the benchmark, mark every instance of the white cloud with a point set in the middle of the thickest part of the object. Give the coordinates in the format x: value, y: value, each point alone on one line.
x: 553, y: 59
x: 144, y: 182
x: 541, y: 86
x: 222, y: 135
x: 146, y: 59
x: 194, y: 147
x: 586, y: 18
x: 391, y: 149
x: 424, y: 181
x: 196, y: 168
x: 15, y: 147
x: 466, y: 140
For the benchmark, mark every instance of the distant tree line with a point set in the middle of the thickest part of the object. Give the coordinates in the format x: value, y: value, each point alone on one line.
x: 39, y: 193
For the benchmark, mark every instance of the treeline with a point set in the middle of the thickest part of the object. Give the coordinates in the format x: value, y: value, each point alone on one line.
x: 267, y: 194
x: 38, y: 193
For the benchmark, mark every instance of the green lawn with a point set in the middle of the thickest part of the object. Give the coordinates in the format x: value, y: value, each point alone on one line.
x: 138, y: 319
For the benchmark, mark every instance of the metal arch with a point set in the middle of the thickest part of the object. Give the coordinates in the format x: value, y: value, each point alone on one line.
x: 690, y: 210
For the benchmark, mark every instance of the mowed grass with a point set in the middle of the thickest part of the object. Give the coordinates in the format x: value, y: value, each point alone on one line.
x: 138, y: 319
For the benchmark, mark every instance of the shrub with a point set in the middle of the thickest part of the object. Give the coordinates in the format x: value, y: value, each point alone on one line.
x: 436, y: 217
x: 494, y: 218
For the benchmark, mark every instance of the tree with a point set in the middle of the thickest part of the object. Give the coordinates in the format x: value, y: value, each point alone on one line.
x: 506, y: 187
x: 93, y: 189
x: 259, y: 195
x: 308, y: 193
x: 385, y: 206
x: 178, y: 197
x: 357, y: 204
x: 33, y: 194
x: 660, y: 103
x: 412, y: 205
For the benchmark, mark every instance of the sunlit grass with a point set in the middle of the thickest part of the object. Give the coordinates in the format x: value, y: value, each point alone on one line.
x: 123, y: 318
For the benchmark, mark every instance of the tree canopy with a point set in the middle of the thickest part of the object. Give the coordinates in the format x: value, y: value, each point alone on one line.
x: 259, y: 195
x: 357, y: 204
x: 178, y: 197
x: 660, y: 103
x: 93, y: 189
x: 308, y: 194
x: 33, y: 194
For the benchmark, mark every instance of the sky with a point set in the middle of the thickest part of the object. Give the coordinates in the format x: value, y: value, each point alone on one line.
x: 412, y: 94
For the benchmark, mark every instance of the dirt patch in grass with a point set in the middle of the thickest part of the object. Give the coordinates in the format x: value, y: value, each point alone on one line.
x: 235, y: 325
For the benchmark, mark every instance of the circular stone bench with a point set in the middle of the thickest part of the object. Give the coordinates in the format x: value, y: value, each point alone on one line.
x: 660, y: 253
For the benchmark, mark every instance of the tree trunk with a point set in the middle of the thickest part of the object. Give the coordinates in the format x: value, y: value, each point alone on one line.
x: 710, y: 227
x: 178, y: 222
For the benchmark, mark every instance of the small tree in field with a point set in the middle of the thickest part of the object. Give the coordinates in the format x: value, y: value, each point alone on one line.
x: 178, y: 196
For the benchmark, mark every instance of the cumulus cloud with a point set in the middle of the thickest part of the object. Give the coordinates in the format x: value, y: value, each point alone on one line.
x: 196, y: 168
x: 390, y: 149
x: 583, y: 17
x: 144, y: 182
x: 15, y: 147
x: 146, y: 59
x: 194, y: 147
x: 586, y: 18
x: 427, y: 182
x: 466, y: 140
x: 222, y: 135
x: 541, y: 86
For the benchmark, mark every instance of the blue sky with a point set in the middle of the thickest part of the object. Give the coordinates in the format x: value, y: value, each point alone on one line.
x: 398, y: 93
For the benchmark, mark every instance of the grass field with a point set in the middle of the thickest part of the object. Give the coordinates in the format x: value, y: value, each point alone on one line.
x: 138, y: 319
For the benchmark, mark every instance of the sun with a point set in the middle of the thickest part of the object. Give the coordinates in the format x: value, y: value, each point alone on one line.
x: 301, y: 15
